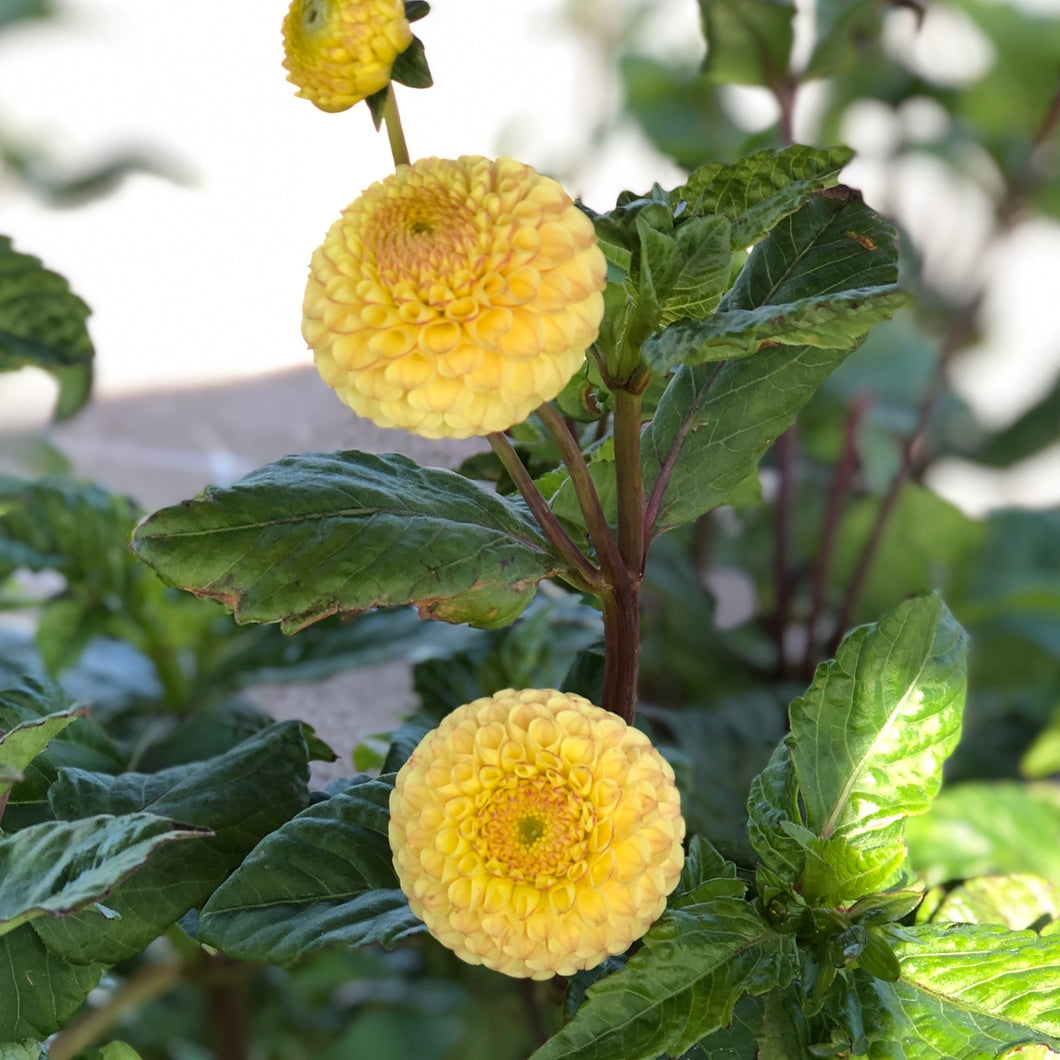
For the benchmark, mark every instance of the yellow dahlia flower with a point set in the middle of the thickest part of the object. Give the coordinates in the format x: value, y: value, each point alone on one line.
x: 535, y: 833
x: 339, y: 52
x: 454, y: 297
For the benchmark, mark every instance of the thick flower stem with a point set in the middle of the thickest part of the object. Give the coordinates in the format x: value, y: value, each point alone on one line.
x: 395, y: 133
x: 621, y: 650
x: 630, y: 482
x: 620, y: 599
x: 600, y: 535
x: 550, y: 525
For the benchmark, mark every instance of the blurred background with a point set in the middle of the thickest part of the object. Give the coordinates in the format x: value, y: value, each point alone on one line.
x: 156, y: 157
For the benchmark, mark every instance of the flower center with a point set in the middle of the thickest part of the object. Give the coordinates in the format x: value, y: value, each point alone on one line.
x: 314, y: 14
x: 532, y: 830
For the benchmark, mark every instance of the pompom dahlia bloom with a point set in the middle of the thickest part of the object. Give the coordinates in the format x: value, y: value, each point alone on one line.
x: 339, y: 52
x: 536, y: 833
x: 454, y: 297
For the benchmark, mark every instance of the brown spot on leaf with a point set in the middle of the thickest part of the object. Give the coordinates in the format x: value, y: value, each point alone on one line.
x: 867, y: 243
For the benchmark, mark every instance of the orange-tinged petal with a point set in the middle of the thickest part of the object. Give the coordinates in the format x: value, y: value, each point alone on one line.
x: 484, y: 268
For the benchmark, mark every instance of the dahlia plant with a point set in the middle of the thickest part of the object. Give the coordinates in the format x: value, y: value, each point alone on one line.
x: 545, y: 815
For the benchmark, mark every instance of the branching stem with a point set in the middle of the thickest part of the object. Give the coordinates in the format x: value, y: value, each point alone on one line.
x: 550, y: 525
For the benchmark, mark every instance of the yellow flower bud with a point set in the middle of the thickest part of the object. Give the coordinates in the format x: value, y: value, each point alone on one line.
x: 536, y: 833
x: 339, y: 52
x: 454, y: 297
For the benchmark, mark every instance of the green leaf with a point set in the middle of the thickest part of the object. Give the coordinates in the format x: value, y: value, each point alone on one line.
x: 20, y: 745
x: 829, y: 321
x: 38, y: 991
x: 241, y: 796
x: 410, y: 67
x: 1017, y: 901
x: 715, y: 422
x: 704, y: 264
x: 748, y: 41
x: 978, y: 829
x: 264, y: 656
x: 965, y: 990
x: 1042, y: 758
x: 14, y: 10
x: 82, y: 743
x: 24, y: 1050
x: 54, y: 523
x: 42, y: 323
x: 324, y: 878
x: 834, y: 243
x: 870, y: 735
x: 841, y: 26
x: 317, y: 534
x: 774, y: 800
x: 705, y: 874
x: 61, y: 867
x: 716, y: 753
x: 760, y: 189
x: 696, y: 963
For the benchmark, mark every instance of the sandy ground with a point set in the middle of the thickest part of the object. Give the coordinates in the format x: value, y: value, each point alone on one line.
x: 164, y: 447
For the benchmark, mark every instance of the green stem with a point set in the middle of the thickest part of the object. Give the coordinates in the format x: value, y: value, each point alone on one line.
x: 619, y: 600
x: 395, y: 134
x: 151, y: 981
x: 550, y: 525
x: 630, y: 482
x: 588, y: 499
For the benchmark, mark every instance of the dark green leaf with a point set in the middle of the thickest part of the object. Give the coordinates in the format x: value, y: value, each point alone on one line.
x: 317, y: 534
x: 748, y: 41
x: 240, y: 796
x: 978, y: 829
x: 834, y: 321
x: 704, y: 264
x: 410, y: 67
x: 834, y: 243
x: 42, y: 322
x: 695, y: 965
x: 760, y: 189
x: 966, y: 990
x: 83, y: 744
x: 705, y: 875
x: 716, y: 753
x: 61, y: 867
x: 263, y: 655
x: 38, y: 991
x: 324, y: 878
x: 715, y: 422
